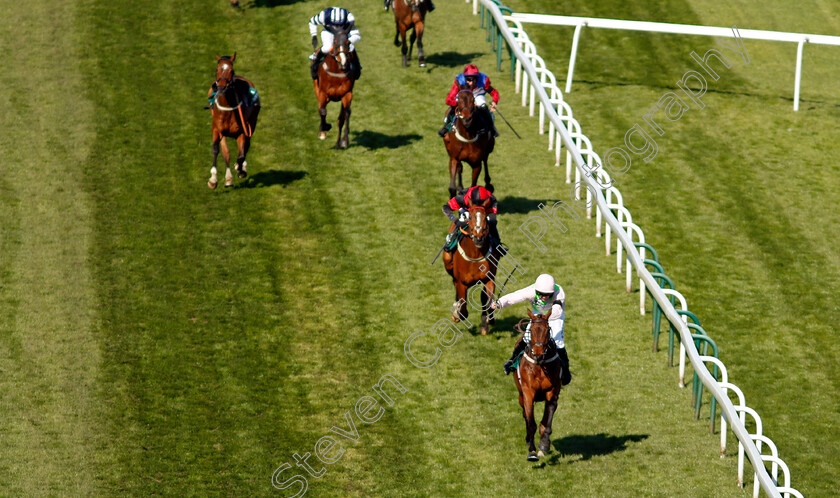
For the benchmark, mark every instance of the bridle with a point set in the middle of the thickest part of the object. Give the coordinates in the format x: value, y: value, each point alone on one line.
x: 479, y: 220
x: 546, y: 347
x: 338, y: 52
x: 466, y: 121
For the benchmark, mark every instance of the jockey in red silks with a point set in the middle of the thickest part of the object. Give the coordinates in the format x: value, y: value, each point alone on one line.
x: 480, y: 85
x: 457, y: 206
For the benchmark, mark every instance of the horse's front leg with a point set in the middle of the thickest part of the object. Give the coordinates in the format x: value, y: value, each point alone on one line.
x: 476, y: 170
x: 545, y: 425
x: 487, y: 297
x: 454, y: 170
x: 530, y: 425
x: 322, y: 111
x: 404, y: 48
x: 459, y: 307
x: 344, y: 122
x: 421, y: 57
x: 226, y: 156
x: 243, y: 142
x: 413, y: 39
x: 217, y: 137
x: 487, y: 184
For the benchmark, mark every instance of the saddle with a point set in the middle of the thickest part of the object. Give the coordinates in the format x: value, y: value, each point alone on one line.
x: 245, y: 93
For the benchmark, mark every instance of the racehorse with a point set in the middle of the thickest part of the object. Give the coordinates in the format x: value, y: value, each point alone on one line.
x: 335, y: 83
x: 538, y: 379
x: 234, y: 108
x: 469, y: 140
x: 469, y: 266
x: 410, y: 14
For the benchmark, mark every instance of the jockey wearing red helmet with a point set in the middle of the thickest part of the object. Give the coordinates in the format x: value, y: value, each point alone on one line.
x: 480, y: 85
x: 461, y: 203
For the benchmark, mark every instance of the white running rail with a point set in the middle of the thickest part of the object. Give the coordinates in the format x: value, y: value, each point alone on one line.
x: 683, y: 29
x: 530, y: 69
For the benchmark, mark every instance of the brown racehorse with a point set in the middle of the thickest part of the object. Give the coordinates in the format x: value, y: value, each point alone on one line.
x: 410, y: 14
x: 469, y: 140
x: 469, y: 265
x: 538, y: 379
x: 335, y: 83
x: 232, y: 117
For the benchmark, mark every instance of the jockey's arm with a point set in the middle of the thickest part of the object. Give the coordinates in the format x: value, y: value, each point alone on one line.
x: 314, y: 22
x: 516, y: 297
x: 450, y: 98
x: 353, y: 34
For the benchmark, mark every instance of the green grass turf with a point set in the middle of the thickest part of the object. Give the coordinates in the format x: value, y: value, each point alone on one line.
x: 162, y: 338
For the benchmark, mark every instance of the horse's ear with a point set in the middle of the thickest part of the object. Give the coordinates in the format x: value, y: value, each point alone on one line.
x: 545, y: 317
x: 233, y: 58
x: 218, y: 57
x: 531, y: 315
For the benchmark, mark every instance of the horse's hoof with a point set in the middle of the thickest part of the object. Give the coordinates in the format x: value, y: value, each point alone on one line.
x: 543, y: 449
x: 540, y: 454
x: 229, y: 182
x: 533, y: 457
x: 484, y: 330
x: 455, y: 318
x: 322, y: 135
x: 212, y: 184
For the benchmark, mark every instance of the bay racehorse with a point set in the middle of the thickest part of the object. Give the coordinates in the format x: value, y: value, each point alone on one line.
x: 335, y: 83
x: 410, y: 15
x: 538, y: 379
x: 469, y: 140
x: 470, y: 265
x: 234, y: 107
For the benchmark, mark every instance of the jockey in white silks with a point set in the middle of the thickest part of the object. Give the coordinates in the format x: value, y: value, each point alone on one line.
x: 543, y: 295
x: 333, y: 19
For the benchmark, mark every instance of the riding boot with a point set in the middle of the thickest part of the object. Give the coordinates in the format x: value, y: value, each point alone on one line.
x: 446, y: 121
x: 356, y: 65
x: 387, y: 4
x: 517, y: 350
x: 431, y: 6
x: 488, y: 118
x: 496, y: 240
x: 316, y: 58
x: 566, y: 376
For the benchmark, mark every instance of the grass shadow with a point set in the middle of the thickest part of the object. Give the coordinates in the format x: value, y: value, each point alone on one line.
x: 591, y: 445
x: 272, y: 177
x: 267, y: 3
x: 520, y: 205
x: 452, y: 59
x: 374, y: 140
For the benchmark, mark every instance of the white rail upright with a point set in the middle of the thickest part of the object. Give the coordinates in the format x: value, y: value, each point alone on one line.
x: 525, y: 60
x: 682, y: 29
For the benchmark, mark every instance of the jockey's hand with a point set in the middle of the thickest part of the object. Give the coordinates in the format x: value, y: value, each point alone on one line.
x: 314, y: 43
x: 492, y: 106
x: 461, y: 224
x: 494, y: 305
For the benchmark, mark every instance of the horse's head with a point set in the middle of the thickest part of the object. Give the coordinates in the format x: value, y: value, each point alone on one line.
x: 341, y: 49
x: 224, y: 71
x: 540, y: 337
x: 479, y: 226
x: 465, y: 109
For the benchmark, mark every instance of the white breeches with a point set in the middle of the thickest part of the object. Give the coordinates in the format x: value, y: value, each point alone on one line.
x: 480, y: 100
x: 327, y: 42
x: 556, y: 328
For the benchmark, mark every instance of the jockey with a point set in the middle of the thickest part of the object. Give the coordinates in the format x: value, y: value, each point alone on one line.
x: 543, y: 295
x: 430, y: 8
x: 479, y: 83
x: 333, y: 19
x: 461, y: 203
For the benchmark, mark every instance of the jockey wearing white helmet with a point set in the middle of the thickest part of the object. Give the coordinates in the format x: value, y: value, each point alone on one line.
x: 543, y: 295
